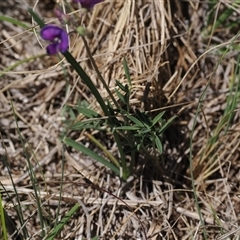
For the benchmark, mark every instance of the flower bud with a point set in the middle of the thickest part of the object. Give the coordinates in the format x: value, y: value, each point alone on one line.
x: 85, y: 32
x: 62, y: 17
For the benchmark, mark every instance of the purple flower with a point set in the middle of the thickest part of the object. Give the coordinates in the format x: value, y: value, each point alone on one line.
x: 88, y: 4
x: 58, y: 38
x: 62, y: 17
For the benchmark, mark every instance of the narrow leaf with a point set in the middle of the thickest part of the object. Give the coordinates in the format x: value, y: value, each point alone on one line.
x: 14, y: 21
x: 136, y: 121
x: 91, y: 154
x: 121, y: 86
x: 159, y: 144
x: 87, y: 80
x: 130, y: 128
x: 143, y: 117
x: 163, y: 128
x: 157, y: 118
x: 63, y: 222
x: 36, y: 18
x: 87, y: 112
x: 126, y: 70
x: 120, y: 96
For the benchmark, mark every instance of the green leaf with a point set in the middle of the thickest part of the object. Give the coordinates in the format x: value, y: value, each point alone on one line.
x: 158, y: 144
x: 69, y: 111
x: 163, y: 128
x: 126, y: 70
x: 91, y: 154
x: 90, y: 124
x: 223, y: 17
x: 136, y: 121
x: 129, y: 128
x: 87, y: 80
x: 95, y: 238
x: 87, y: 112
x: 80, y: 126
x: 157, y: 118
x: 25, y: 60
x: 144, y: 118
x: 36, y: 18
x: 120, y: 96
x: 63, y: 222
x: 3, y: 215
x: 143, y: 131
x: 14, y: 21
x: 121, y: 86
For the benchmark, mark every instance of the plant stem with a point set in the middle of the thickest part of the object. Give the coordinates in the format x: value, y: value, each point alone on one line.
x: 98, y: 73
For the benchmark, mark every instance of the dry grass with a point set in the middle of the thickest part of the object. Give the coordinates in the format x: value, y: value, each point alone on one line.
x: 172, y: 60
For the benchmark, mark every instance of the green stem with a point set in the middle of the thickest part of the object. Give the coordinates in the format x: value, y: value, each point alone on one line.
x: 25, y: 60
x: 108, y: 154
x: 98, y: 73
x: 2, y: 215
x: 86, y: 79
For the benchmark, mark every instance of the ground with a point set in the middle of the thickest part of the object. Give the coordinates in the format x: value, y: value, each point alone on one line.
x: 183, y: 58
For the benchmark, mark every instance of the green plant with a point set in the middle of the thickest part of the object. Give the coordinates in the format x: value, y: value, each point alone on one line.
x: 132, y: 132
x: 219, y: 15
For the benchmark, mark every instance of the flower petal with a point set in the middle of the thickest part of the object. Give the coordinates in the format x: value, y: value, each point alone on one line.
x: 53, y: 48
x: 88, y: 3
x: 50, y: 32
x: 57, y: 36
x: 63, y: 45
x: 62, y: 17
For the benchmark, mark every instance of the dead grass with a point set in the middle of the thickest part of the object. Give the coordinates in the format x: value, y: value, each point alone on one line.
x: 171, y: 62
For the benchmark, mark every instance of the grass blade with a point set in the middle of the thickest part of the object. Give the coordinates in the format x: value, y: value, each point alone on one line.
x: 14, y: 21
x: 4, y: 229
x: 126, y: 70
x: 36, y: 18
x: 63, y: 222
x: 91, y: 154
x: 86, y: 79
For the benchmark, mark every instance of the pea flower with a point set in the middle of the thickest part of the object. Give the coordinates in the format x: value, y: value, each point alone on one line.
x: 88, y: 4
x: 58, y: 38
x: 62, y: 17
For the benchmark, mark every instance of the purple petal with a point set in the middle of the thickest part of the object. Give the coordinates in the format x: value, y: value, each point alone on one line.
x: 58, y: 38
x: 50, y: 32
x: 63, y: 45
x: 88, y: 3
x: 53, y: 48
